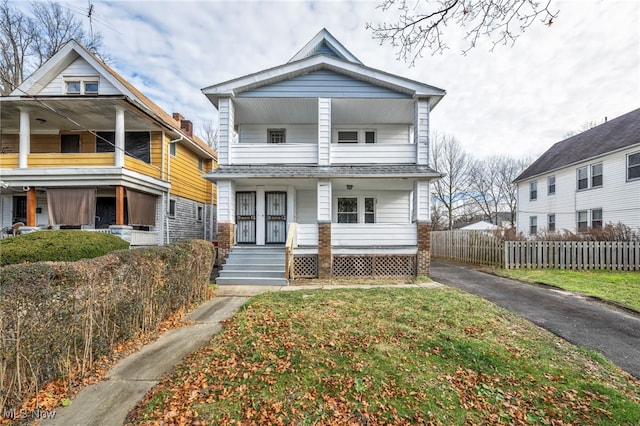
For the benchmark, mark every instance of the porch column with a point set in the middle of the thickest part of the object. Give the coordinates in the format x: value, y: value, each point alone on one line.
x: 422, y: 217
x: 421, y: 131
x: 31, y: 206
x: 119, y: 148
x: 25, y: 138
x: 424, y: 248
x: 324, y: 131
x: 120, y: 205
x: 226, y: 219
x: 325, y: 256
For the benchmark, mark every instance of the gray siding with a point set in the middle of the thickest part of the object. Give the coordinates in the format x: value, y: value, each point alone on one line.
x: 185, y: 224
x: 323, y: 83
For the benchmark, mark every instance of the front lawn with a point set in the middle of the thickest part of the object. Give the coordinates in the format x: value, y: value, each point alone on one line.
x: 389, y: 356
x: 620, y: 287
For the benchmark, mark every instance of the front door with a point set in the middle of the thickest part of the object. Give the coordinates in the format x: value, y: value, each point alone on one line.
x: 246, y: 217
x: 276, y: 217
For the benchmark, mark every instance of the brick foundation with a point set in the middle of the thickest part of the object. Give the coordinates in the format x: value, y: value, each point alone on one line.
x: 325, y: 258
x: 226, y: 237
x: 424, y: 248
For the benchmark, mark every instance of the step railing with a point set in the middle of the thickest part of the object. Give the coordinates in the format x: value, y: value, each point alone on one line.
x: 288, y: 251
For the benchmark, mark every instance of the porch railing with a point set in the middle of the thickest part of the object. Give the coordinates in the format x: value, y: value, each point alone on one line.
x: 373, y: 234
x: 288, y: 251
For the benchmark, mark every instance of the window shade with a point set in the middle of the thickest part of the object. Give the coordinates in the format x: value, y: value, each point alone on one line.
x: 71, y: 206
x: 142, y: 208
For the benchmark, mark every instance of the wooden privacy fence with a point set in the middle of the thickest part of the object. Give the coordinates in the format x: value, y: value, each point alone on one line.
x: 475, y: 247
x: 614, y: 255
x: 480, y: 248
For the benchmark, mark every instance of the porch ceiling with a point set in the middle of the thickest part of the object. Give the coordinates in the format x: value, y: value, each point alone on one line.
x: 305, y: 111
x: 72, y: 114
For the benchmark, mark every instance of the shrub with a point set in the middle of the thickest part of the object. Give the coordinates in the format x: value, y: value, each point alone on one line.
x: 66, y: 246
x: 58, y: 317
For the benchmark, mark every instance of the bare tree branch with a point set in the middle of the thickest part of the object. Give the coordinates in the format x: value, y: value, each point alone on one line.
x: 422, y: 26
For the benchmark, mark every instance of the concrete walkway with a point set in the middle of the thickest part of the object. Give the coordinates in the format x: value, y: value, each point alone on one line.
x: 583, y: 321
x: 108, y: 402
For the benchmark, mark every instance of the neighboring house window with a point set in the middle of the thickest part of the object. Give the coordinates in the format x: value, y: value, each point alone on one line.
x: 276, y: 136
x: 347, y: 210
x: 583, y: 178
x: 172, y: 149
x: 200, y: 164
x: 199, y: 214
x: 583, y: 223
x: 370, y: 136
x: 350, y: 136
x: 136, y: 144
x: 69, y: 144
x: 369, y: 210
x: 633, y: 166
x: 551, y: 222
x: 596, y: 175
x: 533, y: 191
x: 533, y: 225
x: 596, y: 218
x: 551, y: 185
x: 172, y: 208
x: 75, y: 86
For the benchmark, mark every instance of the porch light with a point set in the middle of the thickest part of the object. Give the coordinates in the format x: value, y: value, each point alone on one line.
x: 349, y: 187
x: 41, y: 120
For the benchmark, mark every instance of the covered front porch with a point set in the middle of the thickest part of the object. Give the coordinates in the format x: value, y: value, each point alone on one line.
x: 343, y: 226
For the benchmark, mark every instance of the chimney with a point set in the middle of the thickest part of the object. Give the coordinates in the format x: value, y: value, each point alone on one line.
x: 185, y: 125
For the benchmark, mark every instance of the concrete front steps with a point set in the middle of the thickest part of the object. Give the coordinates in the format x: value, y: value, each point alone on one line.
x: 253, y: 265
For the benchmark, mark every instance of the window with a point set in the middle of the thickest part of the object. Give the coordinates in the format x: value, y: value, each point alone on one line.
x: 172, y: 149
x: 551, y: 223
x: 633, y: 166
x: 73, y: 87
x: 172, y: 208
x: 276, y: 136
x: 78, y: 86
x: 583, y: 178
x: 596, y: 175
x: 370, y: 136
x: 200, y: 164
x: 533, y: 225
x: 199, y: 214
x: 347, y: 210
x: 369, y: 210
x: 69, y: 144
x: 533, y: 191
x: 551, y: 185
x: 348, y: 136
x: 583, y: 223
x: 596, y: 218
x: 136, y: 144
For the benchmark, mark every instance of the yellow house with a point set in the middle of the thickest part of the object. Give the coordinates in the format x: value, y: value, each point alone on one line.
x: 81, y: 148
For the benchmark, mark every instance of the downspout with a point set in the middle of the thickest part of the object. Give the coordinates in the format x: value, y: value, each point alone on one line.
x: 169, y: 180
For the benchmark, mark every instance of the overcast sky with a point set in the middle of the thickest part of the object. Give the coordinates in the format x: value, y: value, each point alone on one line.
x: 515, y: 100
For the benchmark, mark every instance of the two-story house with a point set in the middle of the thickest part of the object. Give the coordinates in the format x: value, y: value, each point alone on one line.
x: 336, y: 149
x: 585, y: 181
x: 82, y: 148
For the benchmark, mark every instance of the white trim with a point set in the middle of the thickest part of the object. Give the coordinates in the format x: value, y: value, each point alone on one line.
x: 324, y: 35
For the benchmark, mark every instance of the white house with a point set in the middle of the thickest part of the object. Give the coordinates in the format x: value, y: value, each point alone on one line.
x: 587, y: 180
x: 336, y: 149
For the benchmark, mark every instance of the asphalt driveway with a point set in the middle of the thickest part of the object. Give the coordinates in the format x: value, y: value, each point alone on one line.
x: 613, y: 332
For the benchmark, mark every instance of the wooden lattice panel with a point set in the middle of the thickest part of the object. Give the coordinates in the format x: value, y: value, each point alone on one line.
x: 305, y: 266
x: 374, y: 266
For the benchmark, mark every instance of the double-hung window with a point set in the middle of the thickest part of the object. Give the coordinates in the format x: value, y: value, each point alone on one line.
x: 551, y: 222
x: 583, y: 178
x: 583, y: 220
x: 533, y: 225
x: 589, y: 176
x: 596, y: 218
x: 533, y: 190
x: 596, y: 175
x: 551, y: 185
x: 633, y: 166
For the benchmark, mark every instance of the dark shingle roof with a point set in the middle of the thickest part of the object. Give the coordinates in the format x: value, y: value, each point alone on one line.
x: 280, y: 171
x: 613, y: 135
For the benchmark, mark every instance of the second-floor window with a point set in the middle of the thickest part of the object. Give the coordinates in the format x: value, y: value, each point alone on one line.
x: 583, y: 178
x: 69, y: 143
x: 589, y: 176
x: 276, y: 136
x: 596, y: 175
x: 551, y: 223
x: 533, y: 190
x: 551, y: 185
x: 633, y: 166
x: 350, y: 136
x: 172, y: 149
x: 136, y: 144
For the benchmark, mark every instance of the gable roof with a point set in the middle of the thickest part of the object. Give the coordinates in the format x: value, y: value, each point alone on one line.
x: 613, y: 135
x: 69, y: 53
x: 323, y: 52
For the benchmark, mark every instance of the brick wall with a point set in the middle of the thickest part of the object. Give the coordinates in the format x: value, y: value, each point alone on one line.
x: 424, y: 248
x: 325, y: 258
x: 226, y: 237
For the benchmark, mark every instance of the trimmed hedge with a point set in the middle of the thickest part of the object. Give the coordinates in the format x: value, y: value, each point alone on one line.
x: 65, y: 246
x: 58, y: 317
